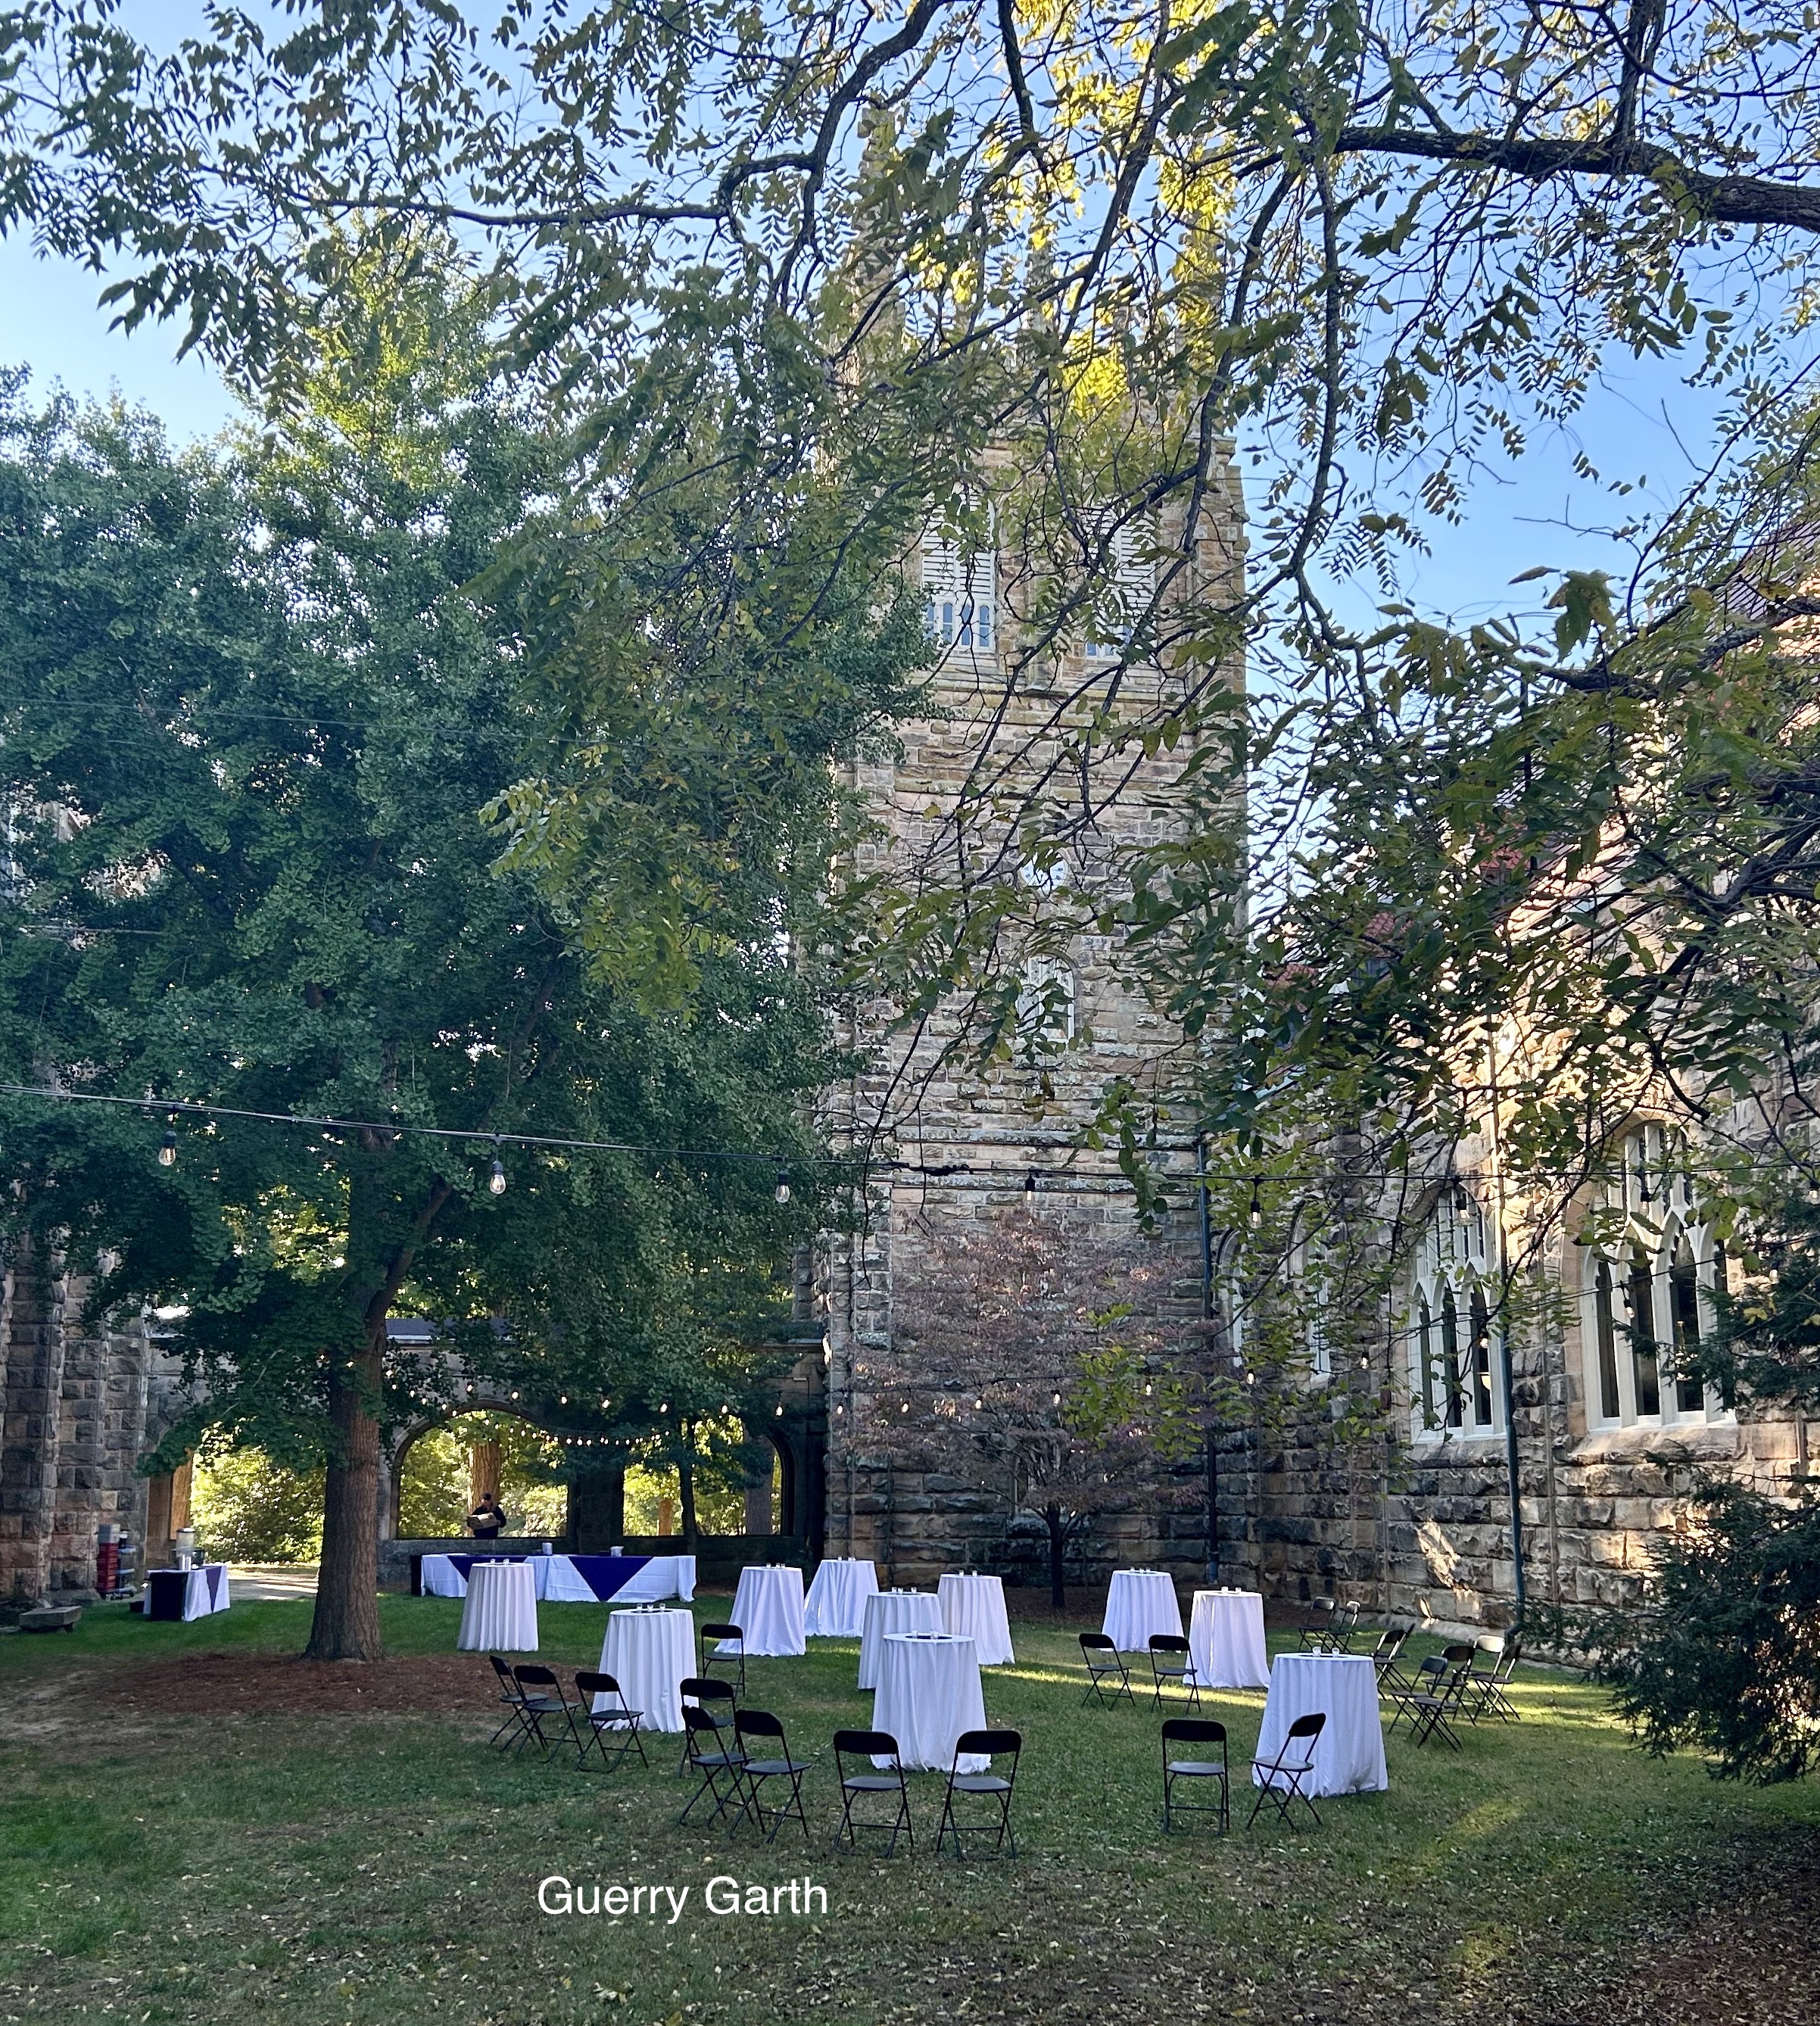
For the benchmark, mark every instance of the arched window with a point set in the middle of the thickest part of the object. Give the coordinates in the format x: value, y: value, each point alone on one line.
x: 1684, y: 1312
x: 1133, y: 586
x: 1605, y: 1337
x: 1647, y: 1291
x: 959, y: 593
x: 1479, y: 1372
x: 1454, y: 1383
x: 1450, y: 1360
x: 1647, y: 1372
x: 1425, y: 1359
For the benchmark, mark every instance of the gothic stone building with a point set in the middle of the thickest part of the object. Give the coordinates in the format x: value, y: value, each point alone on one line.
x: 1580, y: 1412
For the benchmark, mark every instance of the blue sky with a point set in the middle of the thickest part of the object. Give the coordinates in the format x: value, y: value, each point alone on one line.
x: 1643, y: 425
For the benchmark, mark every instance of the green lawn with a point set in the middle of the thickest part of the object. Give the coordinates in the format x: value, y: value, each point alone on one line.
x: 381, y: 1868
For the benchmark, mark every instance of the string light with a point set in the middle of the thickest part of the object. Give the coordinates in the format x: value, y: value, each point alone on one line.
x: 168, y: 1146
x: 1255, y: 1215
x: 1462, y: 1203
x: 496, y: 1181
x: 782, y: 1189
x: 1030, y: 1186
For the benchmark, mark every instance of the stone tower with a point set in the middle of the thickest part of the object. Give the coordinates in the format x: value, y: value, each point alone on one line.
x: 957, y: 1142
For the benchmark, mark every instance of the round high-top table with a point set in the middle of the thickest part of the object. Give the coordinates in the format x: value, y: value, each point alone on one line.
x: 889, y: 1611
x: 1226, y: 1639
x: 767, y: 1609
x: 1138, y: 1603
x: 928, y: 1693
x: 835, y: 1607
x: 500, y: 1613
x: 1349, y: 1756
x: 973, y: 1607
x: 648, y: 1651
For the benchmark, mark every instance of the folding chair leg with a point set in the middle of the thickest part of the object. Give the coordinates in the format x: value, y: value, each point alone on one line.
x: 514, y: 1723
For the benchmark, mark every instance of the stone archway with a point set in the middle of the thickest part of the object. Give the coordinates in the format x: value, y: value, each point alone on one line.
x: 479, y: 1400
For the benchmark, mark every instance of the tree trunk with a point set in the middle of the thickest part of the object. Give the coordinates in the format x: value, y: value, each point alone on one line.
x: 346, y: 1626
x: 486, y: 1465
x: 686, y: 1490
x: 1057, y: 1527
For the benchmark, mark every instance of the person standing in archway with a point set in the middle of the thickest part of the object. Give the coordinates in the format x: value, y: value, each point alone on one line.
x: 486, y: 1522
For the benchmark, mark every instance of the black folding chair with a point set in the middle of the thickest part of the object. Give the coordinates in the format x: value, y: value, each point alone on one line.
x: 1169, y: 1662
x: 1486, y: 1677
x: 1292, y: 1766
x: 1104, y: 1663
x: 716, y: 1764
x: 866, y: 1746
x: 517, y: 1726
x: 993, y: 1787
x: 1430, y: 1679
x: 748, y: 1724
x: 594, y: 1726
x: 542, y: 1698
x: 1438, y: 1684
x: 1460, y: 1657
x: 1312, y: 1637
x: 1493, y: 1690
x: 708, y: 1656
x: 707, y: 1695
x: 1385, y: 1657
x: 1339, y: 1632
x: 1194, y: 1731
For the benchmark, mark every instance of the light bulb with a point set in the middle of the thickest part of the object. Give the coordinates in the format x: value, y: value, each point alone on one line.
x: 783, y: 1190
x: 1054, y: 1399
x: 496, y: 1181
x: 168, y: 1151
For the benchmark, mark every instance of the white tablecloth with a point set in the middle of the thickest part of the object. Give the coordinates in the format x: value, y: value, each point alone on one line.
x: 500, y: 1615
x: 1226, y: 1639
x: 1350, y: 1757
x: 559, y: 1581
x: 928, y: 1694
x: 889, y: 1611
x: 203, y: 1586
x: 1140, y: 1602
x: 973, y: 1607
x: 649, y: 1653
x: 836, y: 1608
x: 767, y: 1608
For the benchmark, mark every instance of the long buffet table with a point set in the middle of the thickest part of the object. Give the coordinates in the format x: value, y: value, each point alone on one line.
x: 573, y: 1578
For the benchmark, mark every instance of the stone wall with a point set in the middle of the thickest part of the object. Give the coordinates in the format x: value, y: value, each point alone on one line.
x: 1420, y: 1530
x: 75, y: 1400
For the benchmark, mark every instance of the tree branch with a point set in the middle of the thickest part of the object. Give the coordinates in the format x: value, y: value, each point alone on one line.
x: 1724, y: 200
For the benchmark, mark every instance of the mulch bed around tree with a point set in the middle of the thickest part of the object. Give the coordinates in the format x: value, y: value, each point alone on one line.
x: 278, y: 1684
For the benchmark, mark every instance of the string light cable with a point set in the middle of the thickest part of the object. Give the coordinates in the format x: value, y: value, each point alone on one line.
x: 933, y: 1170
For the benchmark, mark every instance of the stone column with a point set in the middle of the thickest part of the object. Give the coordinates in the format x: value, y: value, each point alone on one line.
x: 31, y: 1356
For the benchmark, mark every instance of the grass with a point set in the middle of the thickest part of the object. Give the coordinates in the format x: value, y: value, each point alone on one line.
x: 381, y: 1869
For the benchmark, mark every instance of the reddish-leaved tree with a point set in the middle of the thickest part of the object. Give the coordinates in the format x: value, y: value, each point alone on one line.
x: 1043, y: 1365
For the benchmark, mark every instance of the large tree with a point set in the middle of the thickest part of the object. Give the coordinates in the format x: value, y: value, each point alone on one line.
x: 1502, y: 883
x: 257, y: 708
